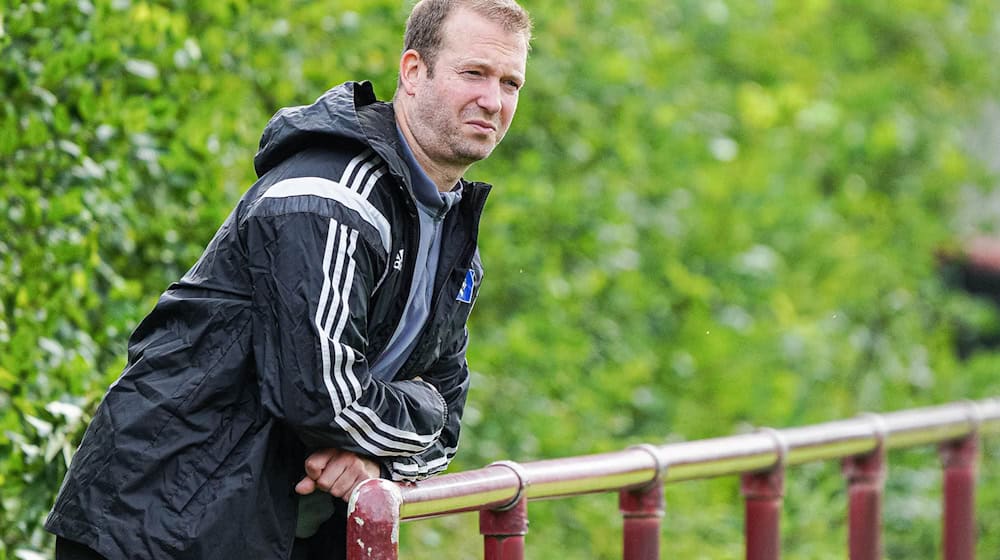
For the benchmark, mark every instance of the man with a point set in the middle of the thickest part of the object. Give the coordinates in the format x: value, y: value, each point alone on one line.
x: 320, y: 339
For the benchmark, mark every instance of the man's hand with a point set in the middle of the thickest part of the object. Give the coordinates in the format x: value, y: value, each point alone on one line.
x: 336, y: 471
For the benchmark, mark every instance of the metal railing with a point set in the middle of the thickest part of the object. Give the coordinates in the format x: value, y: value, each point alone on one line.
x: 500, y: 491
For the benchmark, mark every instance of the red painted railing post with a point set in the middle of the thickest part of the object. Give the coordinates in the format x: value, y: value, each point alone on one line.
x: 503, y: 531
x: 959, y: 458
x: 865, y: 476
x: 373, y: 521
x: 763, y: 492
x: 642, y: 510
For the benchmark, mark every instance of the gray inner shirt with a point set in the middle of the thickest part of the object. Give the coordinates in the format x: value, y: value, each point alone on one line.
x: 432, y: 207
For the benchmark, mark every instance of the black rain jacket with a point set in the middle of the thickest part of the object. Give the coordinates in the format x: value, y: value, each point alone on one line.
x: 260, y: 353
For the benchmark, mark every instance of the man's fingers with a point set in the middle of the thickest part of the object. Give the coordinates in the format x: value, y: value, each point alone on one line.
x: 336, y: 471
x: 333, y: 471
x: 329, y: 478
x: 305, y: 486
x: 317, y: 461
x: 346, y: 483
x: 353, y: 470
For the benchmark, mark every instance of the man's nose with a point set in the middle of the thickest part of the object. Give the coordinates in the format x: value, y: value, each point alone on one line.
x: 489, y: 98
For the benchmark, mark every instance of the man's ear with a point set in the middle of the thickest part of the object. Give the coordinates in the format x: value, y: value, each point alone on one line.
x: 411, y: 64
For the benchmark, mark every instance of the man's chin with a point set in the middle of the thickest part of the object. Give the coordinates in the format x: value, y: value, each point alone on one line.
x: 472, y: 154
x: 477, y: 149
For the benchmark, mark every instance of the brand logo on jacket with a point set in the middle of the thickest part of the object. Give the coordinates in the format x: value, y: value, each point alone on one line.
x: 398, y: 263
x: 465, y: 294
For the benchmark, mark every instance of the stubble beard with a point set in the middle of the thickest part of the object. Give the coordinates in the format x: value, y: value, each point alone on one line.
x: 451, y: 139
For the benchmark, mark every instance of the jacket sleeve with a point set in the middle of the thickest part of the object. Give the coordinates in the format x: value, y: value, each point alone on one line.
x: 313, y: 274
x: 450, y: 376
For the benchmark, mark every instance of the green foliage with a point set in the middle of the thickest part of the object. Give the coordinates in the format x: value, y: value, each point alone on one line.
x: 708, y: 214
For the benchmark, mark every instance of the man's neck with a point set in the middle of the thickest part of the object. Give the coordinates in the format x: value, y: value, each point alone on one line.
x: 444, y: 177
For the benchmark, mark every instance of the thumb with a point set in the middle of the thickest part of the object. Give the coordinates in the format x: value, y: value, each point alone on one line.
x: 305, y: 486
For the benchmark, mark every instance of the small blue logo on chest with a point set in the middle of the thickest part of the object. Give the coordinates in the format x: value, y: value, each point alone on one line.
x: 465, y: 294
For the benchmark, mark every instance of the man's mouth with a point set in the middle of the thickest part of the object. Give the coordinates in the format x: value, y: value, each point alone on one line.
x: 482, y: 126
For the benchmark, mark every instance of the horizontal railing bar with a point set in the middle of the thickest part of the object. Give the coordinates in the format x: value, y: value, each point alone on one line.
x: 933, y: 425
x: 497, y: 485
x: 600, y: 473
x: 718, y: 456
x: 831, y: 440
x: 492, y: 486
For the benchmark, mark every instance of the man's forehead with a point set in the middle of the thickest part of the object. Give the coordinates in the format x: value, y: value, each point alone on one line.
x: 464, y: 28
x: 508, y: 52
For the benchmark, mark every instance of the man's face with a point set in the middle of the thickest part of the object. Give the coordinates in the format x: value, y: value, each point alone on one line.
x: 461, y: 112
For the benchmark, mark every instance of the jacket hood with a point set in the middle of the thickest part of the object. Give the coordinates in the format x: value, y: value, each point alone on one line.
x: 349, y: 112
